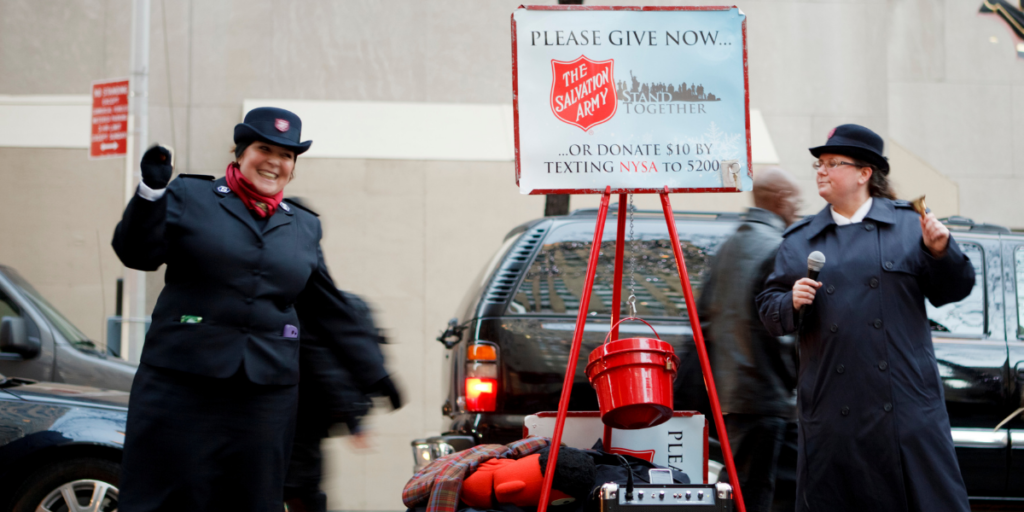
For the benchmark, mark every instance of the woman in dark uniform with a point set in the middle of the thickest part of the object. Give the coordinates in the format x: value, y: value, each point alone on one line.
x: 212, y: 409
x: 874, y: 433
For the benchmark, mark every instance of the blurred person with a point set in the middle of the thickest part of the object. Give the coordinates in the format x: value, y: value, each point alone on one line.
x: 212, y: 410
x: 873, y: 429
x: 327, y: 396
x: 754, y: 371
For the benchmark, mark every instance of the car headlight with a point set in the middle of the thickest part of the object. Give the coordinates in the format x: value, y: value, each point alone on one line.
x: 425, y: 451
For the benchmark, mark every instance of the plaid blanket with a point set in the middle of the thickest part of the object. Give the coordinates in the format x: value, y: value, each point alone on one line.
x: 440, y: 483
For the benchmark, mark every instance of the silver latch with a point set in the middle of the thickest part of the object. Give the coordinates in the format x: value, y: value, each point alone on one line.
x: 724, y: 491
x: 730, y: 170
x: 610, y: 491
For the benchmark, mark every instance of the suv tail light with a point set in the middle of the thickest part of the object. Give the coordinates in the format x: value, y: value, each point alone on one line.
x: 481, y: 384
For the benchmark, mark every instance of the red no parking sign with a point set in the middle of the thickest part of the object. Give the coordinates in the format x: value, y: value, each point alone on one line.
x: 109, y: 119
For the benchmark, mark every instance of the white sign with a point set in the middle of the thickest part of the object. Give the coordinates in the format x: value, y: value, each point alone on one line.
x: 635, y: 98
x: 680, y: 443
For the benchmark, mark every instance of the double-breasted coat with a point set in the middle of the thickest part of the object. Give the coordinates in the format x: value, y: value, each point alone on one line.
x: 874, y: 433
x: 213, y: 404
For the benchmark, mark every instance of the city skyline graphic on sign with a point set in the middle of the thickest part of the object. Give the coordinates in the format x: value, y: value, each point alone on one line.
x: 637, y: 91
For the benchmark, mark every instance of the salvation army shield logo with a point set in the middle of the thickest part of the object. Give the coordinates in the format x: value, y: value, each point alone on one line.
x: 583, y: 91
x: 282, y: 125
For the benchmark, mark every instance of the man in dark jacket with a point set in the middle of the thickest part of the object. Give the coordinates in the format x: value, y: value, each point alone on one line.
x: 328, y: 395
x: 754, y: 371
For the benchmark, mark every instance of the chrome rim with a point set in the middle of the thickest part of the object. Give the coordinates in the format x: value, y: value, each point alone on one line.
x: 81, y: 496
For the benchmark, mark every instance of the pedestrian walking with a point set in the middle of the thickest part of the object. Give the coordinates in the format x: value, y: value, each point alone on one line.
x: 212, y: 409
x: 755, y: 372
x: 328, y: 396
x: 874, y: 433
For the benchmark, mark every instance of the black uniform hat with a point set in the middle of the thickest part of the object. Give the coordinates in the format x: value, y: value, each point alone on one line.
x: 855, y: 141
x: 274, y: 125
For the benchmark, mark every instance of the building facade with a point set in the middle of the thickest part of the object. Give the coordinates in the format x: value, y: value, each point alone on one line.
x: 411, y: 213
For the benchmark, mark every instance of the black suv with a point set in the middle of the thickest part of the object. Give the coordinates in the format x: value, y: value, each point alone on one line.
x: 508, y: 347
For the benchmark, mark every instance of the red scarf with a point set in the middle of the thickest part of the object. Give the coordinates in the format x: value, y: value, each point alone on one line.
x: 261, y: 205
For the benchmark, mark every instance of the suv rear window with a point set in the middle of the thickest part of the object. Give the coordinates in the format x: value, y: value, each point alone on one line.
x: 966, y: 317
x: 554, y: 281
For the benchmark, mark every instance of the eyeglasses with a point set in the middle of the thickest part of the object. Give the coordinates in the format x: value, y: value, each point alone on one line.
x: 818, y: 165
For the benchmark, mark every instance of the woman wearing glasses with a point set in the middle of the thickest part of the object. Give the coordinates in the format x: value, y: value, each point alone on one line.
x: 874, y: 433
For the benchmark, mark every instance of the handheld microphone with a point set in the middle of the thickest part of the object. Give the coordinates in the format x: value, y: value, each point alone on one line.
x: 815, y: 262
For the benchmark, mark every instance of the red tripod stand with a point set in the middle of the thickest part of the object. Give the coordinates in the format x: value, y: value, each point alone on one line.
x: 581, y: 319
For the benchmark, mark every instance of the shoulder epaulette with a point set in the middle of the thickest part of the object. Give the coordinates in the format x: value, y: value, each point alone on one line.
x: 902, y: 203
x: 797, y: 225
x: 206, y: 177
x: 299, y: 203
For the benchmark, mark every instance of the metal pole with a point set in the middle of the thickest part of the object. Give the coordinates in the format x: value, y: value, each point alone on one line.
x: 702, y: 352
x: 133, y: 324
x: 620, y: 243
x: 574, y: 353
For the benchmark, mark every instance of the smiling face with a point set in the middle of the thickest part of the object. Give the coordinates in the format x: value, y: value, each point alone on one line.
x: 838, y: 184
x: 267, y: 166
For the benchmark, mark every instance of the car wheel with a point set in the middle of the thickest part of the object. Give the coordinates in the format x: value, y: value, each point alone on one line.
x: 71, y: 486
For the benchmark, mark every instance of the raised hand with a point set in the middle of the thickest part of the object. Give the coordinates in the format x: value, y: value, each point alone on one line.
x: 935, y: 235
x: 156, y: 167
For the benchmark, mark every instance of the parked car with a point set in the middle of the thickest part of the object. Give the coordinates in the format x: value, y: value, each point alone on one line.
x: 509, y: 344
x: 37, y: 342
x: 59, y: 442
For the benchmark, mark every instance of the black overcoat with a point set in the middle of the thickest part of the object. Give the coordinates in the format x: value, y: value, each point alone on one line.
x: 247, y: 286
x: 874, y: 432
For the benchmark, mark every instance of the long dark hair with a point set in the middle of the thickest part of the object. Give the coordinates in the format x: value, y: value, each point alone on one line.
x: 878, y: 185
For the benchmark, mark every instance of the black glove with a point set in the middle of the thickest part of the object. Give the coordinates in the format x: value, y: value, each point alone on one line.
x: 156, y: 167
x: 385, y: 387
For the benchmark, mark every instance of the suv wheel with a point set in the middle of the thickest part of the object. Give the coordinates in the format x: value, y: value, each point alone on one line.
x: 90, y: 483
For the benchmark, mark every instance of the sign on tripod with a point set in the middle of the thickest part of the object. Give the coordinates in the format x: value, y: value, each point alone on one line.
x: 636, y: 98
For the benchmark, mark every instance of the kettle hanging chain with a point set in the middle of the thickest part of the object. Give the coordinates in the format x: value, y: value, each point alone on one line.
x: 632, y: 260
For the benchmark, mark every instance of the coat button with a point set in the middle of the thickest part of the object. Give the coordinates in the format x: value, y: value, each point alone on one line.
x: 883, y: 365
x: 874, y: 282
x: 887, y: 407
x: 775, y: 317
x: 834, y: 328
x: 248, y: 300
x: 888, y: 265
x: 840, y: 369
x: 869, y: 226
x: 877, y: 323
x: 831, y: 289
x: 845, y: 411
